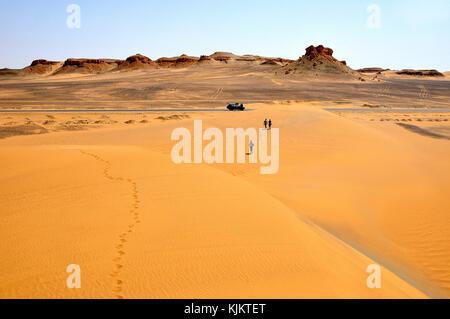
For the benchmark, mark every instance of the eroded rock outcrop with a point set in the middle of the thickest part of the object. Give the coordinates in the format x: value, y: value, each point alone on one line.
x: 85, y: 62
x: 433, y: 73
x: 41, y: 67
x: 43, y: 62
x: 139, y: 58
x: 372, y: 70
x: 204, y: 58
x: 318, y: 61
x: 186, y: 60
x: 137, y: 61
x: 89, y: 66
x: 271, y: 62
x: 313, y: 52
x: 222, y: 58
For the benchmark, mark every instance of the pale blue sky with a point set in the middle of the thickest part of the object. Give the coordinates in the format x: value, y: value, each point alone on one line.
x: 413, y: 33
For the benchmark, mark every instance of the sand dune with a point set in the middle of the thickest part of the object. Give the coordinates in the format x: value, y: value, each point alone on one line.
x: 140, y: 235
x: 347, y: 195
x: 375, y: 189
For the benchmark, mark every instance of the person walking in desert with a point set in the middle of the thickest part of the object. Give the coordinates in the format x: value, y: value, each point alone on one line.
x: 251, y: 145
x: 265, y: 124
x: 270, y: 124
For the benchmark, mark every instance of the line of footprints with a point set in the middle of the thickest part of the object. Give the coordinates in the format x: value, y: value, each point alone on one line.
x: 123, y: 237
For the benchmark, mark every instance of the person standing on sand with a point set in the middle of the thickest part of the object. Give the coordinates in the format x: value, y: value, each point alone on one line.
x: 270, y: 124
x: 265, y: 124
x: 251, y: 145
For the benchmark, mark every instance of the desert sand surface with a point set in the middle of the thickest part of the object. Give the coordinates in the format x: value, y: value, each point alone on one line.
x: 362, y: 180
x: 212, y: 86
x: 349, y: 193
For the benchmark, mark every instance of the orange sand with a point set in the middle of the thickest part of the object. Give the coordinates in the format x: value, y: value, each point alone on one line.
x: 110, y: 200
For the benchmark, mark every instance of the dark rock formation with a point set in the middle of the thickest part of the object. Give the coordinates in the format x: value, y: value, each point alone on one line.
x: 185, y: 59
x: 420, y: 72
x: 313, y: 52
x: 83, y: 62
x: 139, y: 58
x: 205, y: 58
x: 43, y: 62
x: 222, y: 58
x: 372, y: 70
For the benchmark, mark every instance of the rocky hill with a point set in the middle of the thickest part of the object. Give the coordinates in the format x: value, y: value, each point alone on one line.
x: 317, y: 62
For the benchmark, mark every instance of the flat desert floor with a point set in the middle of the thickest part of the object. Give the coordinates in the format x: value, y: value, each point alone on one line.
x: 100, y: 190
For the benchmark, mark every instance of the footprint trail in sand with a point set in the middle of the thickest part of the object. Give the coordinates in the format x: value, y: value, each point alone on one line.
x: 123, y: 237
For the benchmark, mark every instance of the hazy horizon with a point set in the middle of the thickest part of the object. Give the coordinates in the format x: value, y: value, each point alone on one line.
x: 405, y: 34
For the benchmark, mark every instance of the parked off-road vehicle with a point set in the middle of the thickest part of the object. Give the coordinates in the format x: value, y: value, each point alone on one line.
x: 235, y: 107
